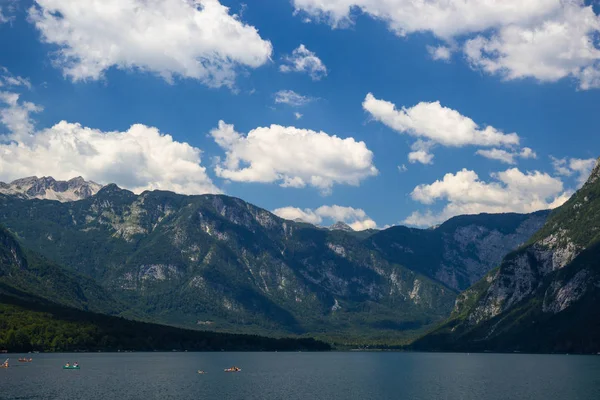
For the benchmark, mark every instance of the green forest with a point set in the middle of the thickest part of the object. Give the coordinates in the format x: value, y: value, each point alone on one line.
x: 46, y: 327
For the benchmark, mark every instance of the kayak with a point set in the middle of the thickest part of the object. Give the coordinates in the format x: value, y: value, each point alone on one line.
x: 70, y: 367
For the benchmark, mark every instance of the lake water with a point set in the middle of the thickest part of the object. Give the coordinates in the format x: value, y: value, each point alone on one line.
x: 295, y: 376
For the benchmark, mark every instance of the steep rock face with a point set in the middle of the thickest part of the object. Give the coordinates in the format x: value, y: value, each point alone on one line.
x: 555, y: 277
x: 50, y: 189
x: 183, y: 259
x: 462, y: 250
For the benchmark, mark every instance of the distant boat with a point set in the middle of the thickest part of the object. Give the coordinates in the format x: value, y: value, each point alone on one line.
x: 233, y: 369
x: 25, y: 360
x: 69, y: 366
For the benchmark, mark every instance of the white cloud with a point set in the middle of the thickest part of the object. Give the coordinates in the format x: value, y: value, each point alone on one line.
x: 304, y: 60
x: 297, y: 115
x: 508, y: 191
x: 444, y: 18
x: 9, y: 80
x: 356, y: 218
x: 195, y: 39
x: 559, y: 46
x: 498, y: 154
x: 582, y: 167
x: 402, y: 168
x: 3, y: 18
x: 508, y: 157
x: 420, y: 156
x: 15, y: 115
x: 434, y: 124
x: 439, y: 124
x: 561, y: 166
x: 544, y: 39
x: 421, y: 152
x: 442, y: 53
x: 568, y: 167
x: 526, y: 152
x: 141, y: 158
x: 291, y: 98
x: 294, y: 213
x: 292, y: 157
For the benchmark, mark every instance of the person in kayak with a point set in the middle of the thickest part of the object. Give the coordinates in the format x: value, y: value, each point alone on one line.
x: 76, y: 364
x: 68, y: 364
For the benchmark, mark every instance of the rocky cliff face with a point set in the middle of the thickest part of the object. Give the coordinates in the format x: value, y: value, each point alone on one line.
x: 50, y: 189
x: 341, y: 226
x: 462, y: 250
x: 554, y: 275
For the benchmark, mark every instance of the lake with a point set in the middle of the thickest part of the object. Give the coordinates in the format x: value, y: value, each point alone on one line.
x: 295, y: 376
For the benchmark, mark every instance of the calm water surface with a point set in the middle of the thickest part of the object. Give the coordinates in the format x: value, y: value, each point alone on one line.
x: 294, y: 376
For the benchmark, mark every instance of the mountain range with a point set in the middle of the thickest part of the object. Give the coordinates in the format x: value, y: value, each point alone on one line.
x: 216, y: 262
x: 50, y: 189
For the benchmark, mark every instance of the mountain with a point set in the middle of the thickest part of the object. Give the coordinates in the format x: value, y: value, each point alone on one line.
x: 215, y: 261
x: 219, y: 263
x: 30, y: 273
x: 544, y: 297
x: 50, y: 189
x: 45, y: 308
x: 341, y: 226
x: 460, y: 251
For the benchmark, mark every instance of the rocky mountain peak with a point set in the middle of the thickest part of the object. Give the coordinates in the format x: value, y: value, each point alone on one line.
x: 341, y: 226
x: 49, y: 188
x: 595, y: 175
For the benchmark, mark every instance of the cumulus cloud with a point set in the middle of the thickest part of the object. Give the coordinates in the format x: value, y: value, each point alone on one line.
x: 297, y: 115
x: 444, y: 18
x: 292, y: 157
x: 402, y: 168
x: 291, y: 98
x: 304, y: 60
x: 508, y: 157
x: 574, y: 166
x: 420, y: 156
x: 544, y: 39
x: 16, y: 115
x: 421, y: 152
x: 557, y: 47
x: 356, y: 218
x: 196, y: 39
x: 433, y: 124
x: 507, y: 191
x: 141, y: 158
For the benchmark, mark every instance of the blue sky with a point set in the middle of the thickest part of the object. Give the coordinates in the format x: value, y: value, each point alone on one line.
x: 101, y: 77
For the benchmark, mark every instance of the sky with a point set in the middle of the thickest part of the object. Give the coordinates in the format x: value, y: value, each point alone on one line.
x: 371, y: 112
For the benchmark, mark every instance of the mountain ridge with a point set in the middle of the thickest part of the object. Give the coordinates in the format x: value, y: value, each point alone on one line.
x: 219, y: 261
x: 551, y: 285
x: 49, y: 188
